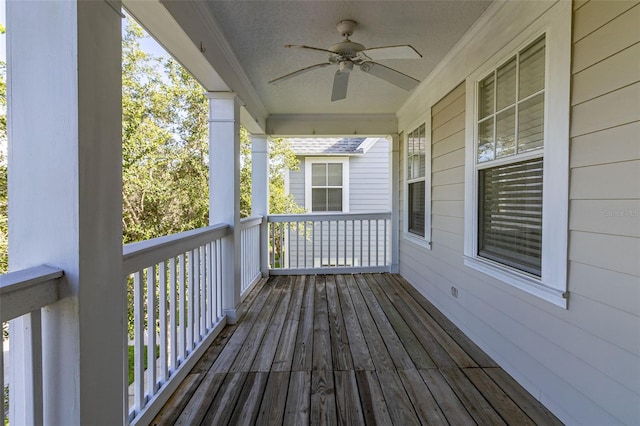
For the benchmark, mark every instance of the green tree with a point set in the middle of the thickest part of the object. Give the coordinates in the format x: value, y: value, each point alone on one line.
x: 165, y: 144
x: 281, y: 158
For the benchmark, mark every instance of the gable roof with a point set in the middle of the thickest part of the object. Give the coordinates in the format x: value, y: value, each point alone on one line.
x: 327, y: 146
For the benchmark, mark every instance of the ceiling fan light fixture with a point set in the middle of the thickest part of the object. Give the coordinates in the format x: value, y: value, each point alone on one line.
x: 346, y: 66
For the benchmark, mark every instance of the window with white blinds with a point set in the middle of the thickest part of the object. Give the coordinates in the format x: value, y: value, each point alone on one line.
x: 416, y: 176
x: 509, y: 162
x: 516, y: 188
x: 510, y: 215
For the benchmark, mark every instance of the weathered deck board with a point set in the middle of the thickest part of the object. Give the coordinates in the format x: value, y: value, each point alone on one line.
x: 346, y: 349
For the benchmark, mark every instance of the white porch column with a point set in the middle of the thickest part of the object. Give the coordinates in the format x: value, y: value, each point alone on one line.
x: 65, y: 187
x: 394, y: 178
x: 260, y: 193
x: 224, y: 190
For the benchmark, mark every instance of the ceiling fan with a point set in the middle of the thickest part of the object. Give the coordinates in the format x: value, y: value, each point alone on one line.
x: 348, y: 54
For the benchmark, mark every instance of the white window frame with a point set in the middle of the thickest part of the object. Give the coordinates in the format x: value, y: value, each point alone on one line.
x: 409, y: 236
x: 308, y: 161
x: 552, y: 285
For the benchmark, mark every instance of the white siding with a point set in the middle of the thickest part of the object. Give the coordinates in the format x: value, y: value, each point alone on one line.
x: 584, y: 362
x: 296, y: 182
x: 369, y: 179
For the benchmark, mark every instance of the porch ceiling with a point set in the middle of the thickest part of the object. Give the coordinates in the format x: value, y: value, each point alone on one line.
x: 242, y: 42
x: 258, y: 30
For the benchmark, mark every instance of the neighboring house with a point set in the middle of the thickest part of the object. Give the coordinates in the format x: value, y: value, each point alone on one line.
x: 339, y: 175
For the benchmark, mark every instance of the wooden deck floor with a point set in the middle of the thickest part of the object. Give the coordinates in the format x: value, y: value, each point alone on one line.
x: 347, y: 349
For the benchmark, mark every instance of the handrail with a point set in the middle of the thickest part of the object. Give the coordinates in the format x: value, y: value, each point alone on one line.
x: 248, y: 222
x: 328, y: 216
x: 329, y: 242
x: 139, y: 255
x: 29, y: 289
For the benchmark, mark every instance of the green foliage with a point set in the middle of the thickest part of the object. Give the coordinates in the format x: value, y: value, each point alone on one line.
x: 6, y: 405
x: 165, y: 144
x: 131, y: 361
x: 281, y: 158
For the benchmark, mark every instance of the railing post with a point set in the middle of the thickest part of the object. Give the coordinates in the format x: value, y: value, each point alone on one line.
x: 224, y: 190
x: 394, y: 178
x: 260, y: 193
x: 65, y: 186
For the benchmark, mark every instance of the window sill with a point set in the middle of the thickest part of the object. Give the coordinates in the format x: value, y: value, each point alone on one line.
x: 420, y: 242
x: 521, y: 281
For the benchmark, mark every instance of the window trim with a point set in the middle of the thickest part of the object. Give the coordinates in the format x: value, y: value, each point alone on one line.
x: 308, y: 161
x: 425, y: 241
x: 552, y: 286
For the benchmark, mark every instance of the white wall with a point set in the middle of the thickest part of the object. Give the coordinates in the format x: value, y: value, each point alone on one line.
x: 583, y: 363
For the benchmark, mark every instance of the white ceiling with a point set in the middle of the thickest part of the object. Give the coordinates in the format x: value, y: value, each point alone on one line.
x: 258, y: 30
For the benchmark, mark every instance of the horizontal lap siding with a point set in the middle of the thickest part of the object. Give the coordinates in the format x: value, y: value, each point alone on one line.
x: 369, y: 179
x: 296, y: 183
x: 583, y: 362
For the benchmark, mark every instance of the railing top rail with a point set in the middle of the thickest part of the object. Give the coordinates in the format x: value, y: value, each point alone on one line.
x: 139, y: 255
x: 328, y: 216
x: 27, y: 290
x: 248, y: 222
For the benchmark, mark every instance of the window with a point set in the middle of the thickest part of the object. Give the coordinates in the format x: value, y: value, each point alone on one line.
x: 416, y: 180
x: 326, y: 187
x: 510, y: 127
x: 517, y: 147
x: 418, y: 150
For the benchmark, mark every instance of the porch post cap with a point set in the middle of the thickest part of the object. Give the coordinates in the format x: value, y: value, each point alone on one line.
x: 225, y: 95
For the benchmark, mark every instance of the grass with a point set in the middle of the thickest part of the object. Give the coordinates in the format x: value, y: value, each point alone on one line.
x: 131, y: 362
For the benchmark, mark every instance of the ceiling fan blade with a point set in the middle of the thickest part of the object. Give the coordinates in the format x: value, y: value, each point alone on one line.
x: 340, y: 83
x: 392, y: 52
x: 296, y: 73
x: 301, y: 46
x: 389, y: 74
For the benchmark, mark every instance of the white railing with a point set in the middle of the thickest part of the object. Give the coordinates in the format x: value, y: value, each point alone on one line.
x: 23, y: 294
x: 329, y: 243
x: 176, y: 307
x: 250, y: 271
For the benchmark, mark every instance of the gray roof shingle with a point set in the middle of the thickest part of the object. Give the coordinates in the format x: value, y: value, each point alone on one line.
x: 335, y: 146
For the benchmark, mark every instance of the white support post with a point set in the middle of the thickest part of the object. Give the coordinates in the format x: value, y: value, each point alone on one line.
x: 224, y: 190
x: 394, y: 178
x: 260, y: 193
x: 65, y: 187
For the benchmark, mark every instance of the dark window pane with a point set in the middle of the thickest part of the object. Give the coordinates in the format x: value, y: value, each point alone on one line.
x: 416, y: 208
x: 318, y: 200
x: 319, y: 174
x: 510, y: 215
x: 506, y: 133
x: 485, y: 101
x: 506, y: 94
x: 531, y: 124
x: 485, y: 141
x: 532, y: 69
x: 334, y: 200
x: 334, y: 175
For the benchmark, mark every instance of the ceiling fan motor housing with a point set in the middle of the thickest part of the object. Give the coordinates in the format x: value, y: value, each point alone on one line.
x: 346, y: 27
